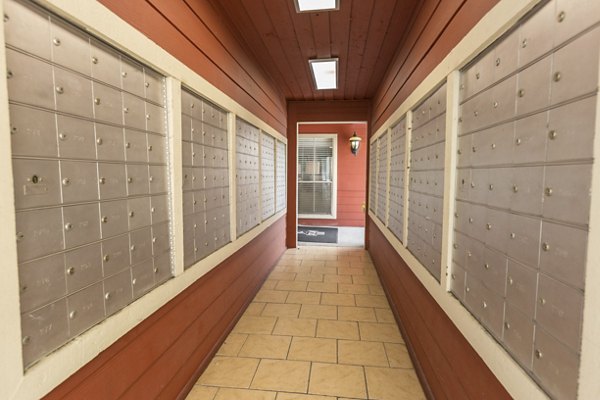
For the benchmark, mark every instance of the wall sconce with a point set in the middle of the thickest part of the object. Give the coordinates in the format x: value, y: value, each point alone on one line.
x: 354, y: 144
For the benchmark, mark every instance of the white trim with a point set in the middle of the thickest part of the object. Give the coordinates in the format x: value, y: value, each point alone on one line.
x: 334, y: 168
x: 56, y: 367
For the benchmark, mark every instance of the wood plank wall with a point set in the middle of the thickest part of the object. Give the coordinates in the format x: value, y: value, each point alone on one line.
x: 164, y: 355
x: 351, y: 174
x: 193, y: 32
x: 446, y: 363
x: 436, y: 28
x: 315, y: 111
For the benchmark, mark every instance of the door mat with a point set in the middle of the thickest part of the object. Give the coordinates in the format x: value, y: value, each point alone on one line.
x: 317, y: 234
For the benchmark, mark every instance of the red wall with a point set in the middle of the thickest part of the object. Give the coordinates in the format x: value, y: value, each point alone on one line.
x: 315, y: 111
x: 351, y: 174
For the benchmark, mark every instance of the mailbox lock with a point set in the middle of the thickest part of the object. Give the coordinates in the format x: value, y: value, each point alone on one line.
x: 26, y: 340
x: 155, y: 269
x: 512, y: 235
x: 453, y: 276
x: 495, y: 104
x: 13, y: 130
x: 66, y: 181
x: 473, y: 184
x: 546, y: 246
x: 97, y: 101
x: 548, y: 191
x: 60, y: 90
x: 518, y: 141
x: 6, y: 17
x: 467, y: 289
x: 56, y: 41
x: 510, y: 280
x: 129, y: 180
x: 126, y: 110
x: 104, y: 219
x: 127, y: 145
x: 476, y: 77
x: 150, y: 148
x: 491, y: 187
x: 131, y: 214
x: 94, y: 60
x: 497, y: 62
x: 62, y: 136
x: 20, y: 236
x: 124, y: 74
x: 470, y: 220
x: 507, y: 325
x: 9, y: 74
x: 102, y: 180
x: 133, y: 281
x: 552, y: 135
x: 152, y: 209
x: 148, y: 116
x: 542, y: 301
x: 147, y: 84
x: 106, y: 258
x: 538, y: 354
x: 154, y: 240
x: 68, y: 226
x: 70, y: 271
x: 521, y: 92
x: 561, y: 16
x: 151, y: 179
x: 557, y: 76
x: 35, y: 179
x: 486, y: 266
x: 515, y: 188
x: 484, y: 304
x: 107, y: 295
x: 524, y: 43
x: 455, y: 246
x: 132, y: 248
x: 72, y: 314
x: 99, y: 140
x: 489, y: 227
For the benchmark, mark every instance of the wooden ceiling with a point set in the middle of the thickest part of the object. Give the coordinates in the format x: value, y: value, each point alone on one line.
x: 364, y: 34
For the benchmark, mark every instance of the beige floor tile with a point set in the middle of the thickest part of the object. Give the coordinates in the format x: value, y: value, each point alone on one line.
x: 290, y: 261
x: 318, y: 311
x: 336, y: 299
x: 296, y: 327
x: 312, y: 263
x: 229, y: 372
x: 325, y: 287
x: 323, y: 270
x: 308, y: 277
x: 271, y: 296
x: 298, y: 396
x: 356, y: 314
x: 232, y: 345
x: 338, y: 263
x: 313, y: 349
x: 350, y: 271
x: 398, y: 355
x: 376, y: 289
x: 362, y: 353
x: 281, y: 310
x: 337, y: 278
x: 245, y: 394
x: 365, y: 280
x: 266, y: 346
x: 377, y: 332
x: 291, y: 285
x: 337, y: 380
x: 337, y: 329
x: 353, y: 288
x: 303, y: 297
x: 252, y: 324
x: 392, y: 384
x: 367, y: 300
x: 385, y: 315
x: 286, y: 376
x: 269, y: 284
x: 202, y: 393
x: 254, y: 309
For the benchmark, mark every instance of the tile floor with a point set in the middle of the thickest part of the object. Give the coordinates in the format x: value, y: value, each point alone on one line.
x: 320, y: 328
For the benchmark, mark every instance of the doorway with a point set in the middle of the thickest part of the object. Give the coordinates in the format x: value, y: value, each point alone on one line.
x: 331, y: 184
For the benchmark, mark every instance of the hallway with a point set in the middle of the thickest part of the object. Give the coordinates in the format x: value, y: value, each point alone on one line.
x: 320, y: 328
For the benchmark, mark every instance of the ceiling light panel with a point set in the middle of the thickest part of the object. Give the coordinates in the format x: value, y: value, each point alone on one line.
x: 325, y: 73
x: 316, y: 5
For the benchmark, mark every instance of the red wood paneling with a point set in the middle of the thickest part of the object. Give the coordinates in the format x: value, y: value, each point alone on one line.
x: 201, y: 38
x: 315, y: 111
x: 163, y: 356
x: 437, y: 27
x: 351, y: 174
x: 449, y: 368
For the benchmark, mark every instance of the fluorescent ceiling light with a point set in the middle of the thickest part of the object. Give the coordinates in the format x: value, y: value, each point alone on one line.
x: 324, y: 73
x: 316, y: 5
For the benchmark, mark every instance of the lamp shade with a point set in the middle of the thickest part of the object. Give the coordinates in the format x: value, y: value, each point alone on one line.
x: 354, y: 144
